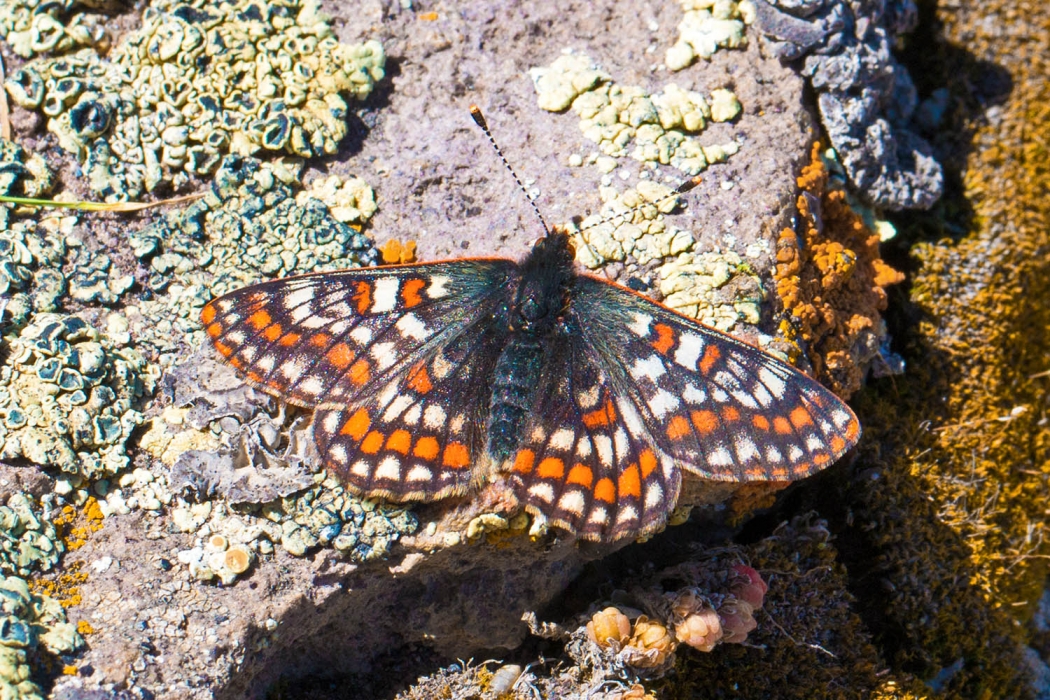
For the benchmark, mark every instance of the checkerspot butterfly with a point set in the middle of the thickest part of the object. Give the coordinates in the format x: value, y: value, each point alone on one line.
x: 430, y: 380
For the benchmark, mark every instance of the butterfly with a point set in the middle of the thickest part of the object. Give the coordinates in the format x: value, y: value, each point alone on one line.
x: 431, y: 380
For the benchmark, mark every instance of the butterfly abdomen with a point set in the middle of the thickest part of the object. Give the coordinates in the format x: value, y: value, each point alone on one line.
x: 517, y: 374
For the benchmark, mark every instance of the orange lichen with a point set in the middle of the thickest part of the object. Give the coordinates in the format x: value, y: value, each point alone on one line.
x: 394, y: 252
x: 84, y: 628
x: 63, y: 586
x: 75, y: 527
x: 831, y: 281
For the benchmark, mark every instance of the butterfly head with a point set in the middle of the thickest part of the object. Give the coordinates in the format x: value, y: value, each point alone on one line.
x: 547, y: 275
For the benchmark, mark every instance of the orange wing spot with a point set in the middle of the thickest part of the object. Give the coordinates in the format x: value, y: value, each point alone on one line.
x: 838, y: 444
x: 760, y: 421
x: 399, y: 441
x: 852, y: 430
x: 236, y: 363
x: 419, y: 380
x: 320, y: 340
x: 580, y: 474
x: 781, y: 425
x: 730, y: 414
x: 779, y: 474
x: 705, y: 421
x: 410, y: 292
x: 289, y: 339
x: 340, y: 355
x: 605, y: 491
x: 254, y: 376
x: 523, y: 461
x: 215, y: 330
x: 600, y: 417
x: 664, y: 338
x: 260, y: 319
x: 426, y: 448
x: 647, y: 461
x: 711, y: 356
x: 456, y: 456
x: 357, y: 425
x: 551, y: 468
x: 802, y: 468
x: 678, y: 428
x: 273, y: 332
x: 363, y: 296
x: 821, y: 459
x: 360, y: 372
x: 224, y: 349
x: 208, y: 314
x: 630, y: 483
x: 800, y: 417
x: 754, y: 473
x: 372, y: 442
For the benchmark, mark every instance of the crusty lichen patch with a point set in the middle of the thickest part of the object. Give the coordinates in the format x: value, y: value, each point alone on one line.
x: 49, y: 26
x: 196, y: 81
x: 830, y: 278
x: 28, y: 540
x: 69, y: 397
x: 29, y: 623
x: 706, y: 27
x: 626, y: 121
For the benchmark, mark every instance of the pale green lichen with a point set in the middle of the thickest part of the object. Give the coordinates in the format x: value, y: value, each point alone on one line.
x: 28, y: 541
x: 709, y: 25
x: 196, y: 81
x: 247, y: 228
x: 48, y: 26
x: 718, y: 288
x: 68, y: 397
x: 29, y: 623
x: 624, y: 120
x: 350, y: 201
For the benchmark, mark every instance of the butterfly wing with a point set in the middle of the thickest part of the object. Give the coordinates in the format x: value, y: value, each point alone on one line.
x: 577, y: 462
x: 722, y: 409
x: 396, y: 360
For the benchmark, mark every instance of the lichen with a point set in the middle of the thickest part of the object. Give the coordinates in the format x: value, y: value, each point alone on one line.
x: 708, y: 25
x: 830, y: 278
x: 29, y: 624
x: 625, y: 120
x: 196, y: 81
x: 28, y: 539
x: 248, y: 227
x: 34, y: 26
x: 68, y: 397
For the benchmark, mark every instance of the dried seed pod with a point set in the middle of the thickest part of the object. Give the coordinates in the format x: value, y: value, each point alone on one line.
x: 737, y: 621
x: 608, y: 627
x: 701, y: 630
x: 504, y: 678
x: 749, y: 586
x: 651, y: 646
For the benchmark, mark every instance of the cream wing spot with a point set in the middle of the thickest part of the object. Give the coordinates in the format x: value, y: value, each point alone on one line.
x: 455, y: 426
x: 438, y: 287
x: 389, y: 468
x: 384, y: 355
x: 411, y: 327
x: 236, y: 337
x: 299, y: 297
x: 774, y: 383
x: 694, y: 395
x: 361, y: 335
x: 795, y: 453
x: 623, y: 446
x: 663, y: 402
x: 598, y: 516
x: 745, y: 449
x: 338, y: 453
x: 562, y: 439
x: 397, y: 407
x: 651, y: 368
x: 384, y: 295
x: 583, y: 447
x: 626, y: 514
x: 654, y: 496
x: 266, y: 363
x: 419, y: 473
x: 413, y: 414
x: 311, y: 385
x: 640, y: 324
x: 293, y: 369
x: 719, y: 457
x: 440, y: 367
x: 542, y: 491
x: 589, y: 398
x: 361, y: 468
x: 434, y: 417
x: 689, y: 347
x: 314, y: 322
x: 332, y: 421
x: 573, y: 502
x: 603, y: 444
x: 300, y: 314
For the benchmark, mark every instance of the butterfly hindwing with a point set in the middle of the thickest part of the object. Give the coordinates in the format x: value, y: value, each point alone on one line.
x: 420, y: 434
x: 723, y: 409
x: 585, y: 464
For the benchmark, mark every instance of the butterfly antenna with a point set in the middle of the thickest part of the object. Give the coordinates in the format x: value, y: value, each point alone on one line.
x: 479, y: 119
x: 680, y: 190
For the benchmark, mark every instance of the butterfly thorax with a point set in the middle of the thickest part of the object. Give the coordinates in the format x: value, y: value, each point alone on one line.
x: 536, y: 319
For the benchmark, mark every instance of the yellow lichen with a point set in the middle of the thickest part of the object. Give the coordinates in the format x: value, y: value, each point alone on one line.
x: 394, y: 252
x: 63, y: 587
x: 76, y: 527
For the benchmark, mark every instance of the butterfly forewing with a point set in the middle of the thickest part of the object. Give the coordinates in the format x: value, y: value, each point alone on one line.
x: 328, y: 337
x: 723, y: 409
